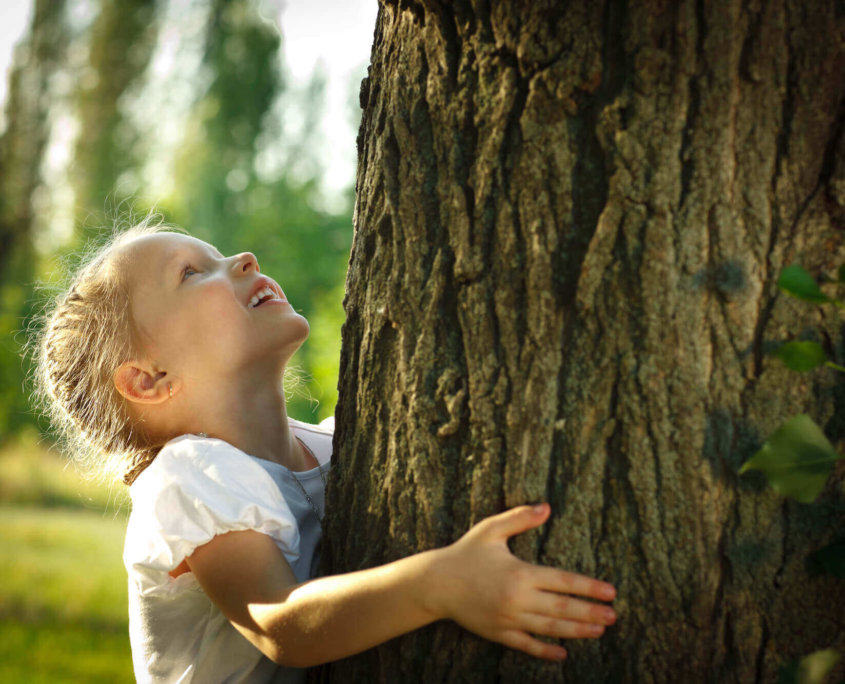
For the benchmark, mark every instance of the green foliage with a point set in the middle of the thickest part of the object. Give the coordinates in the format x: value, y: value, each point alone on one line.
x: 15, y: 412
x: 811, y: 669
x: 324, y: 348
x: 802, y: 356
x: 795, y: 281
x: 797, y: 459
x: 121, y: 45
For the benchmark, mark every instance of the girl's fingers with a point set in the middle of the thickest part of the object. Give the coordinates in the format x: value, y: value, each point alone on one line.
x: 514, y: 521
x: 539, y: 649
x: 562, y: 582
x: 560, y: 629
x: 568, y: 608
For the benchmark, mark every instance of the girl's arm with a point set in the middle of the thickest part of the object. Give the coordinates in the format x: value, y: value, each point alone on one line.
x: 476, y: 581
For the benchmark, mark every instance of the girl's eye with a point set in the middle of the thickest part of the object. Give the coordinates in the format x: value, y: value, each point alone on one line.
x: 188, y: 271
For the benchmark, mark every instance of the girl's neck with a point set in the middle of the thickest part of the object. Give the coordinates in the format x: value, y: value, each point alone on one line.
x: 251, y: 415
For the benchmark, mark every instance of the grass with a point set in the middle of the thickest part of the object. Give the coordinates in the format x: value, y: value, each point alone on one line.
x: 55, y: 653
x: 32, y: 474
x: 63, y: 609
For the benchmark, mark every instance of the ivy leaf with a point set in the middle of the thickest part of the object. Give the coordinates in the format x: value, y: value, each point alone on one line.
x: 795, y: 281
x: 829, y: 560
x: 811, y: 669
x: 796, y: 459
x: 802, y: 356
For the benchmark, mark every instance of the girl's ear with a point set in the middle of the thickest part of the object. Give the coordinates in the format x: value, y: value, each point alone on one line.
x: 141, y: 385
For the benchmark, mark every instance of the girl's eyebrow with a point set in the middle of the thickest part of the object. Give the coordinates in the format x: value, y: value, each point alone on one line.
x: 216, y: 252
x: 194, y: 252
x: 173, y: 258
x: 178, y: 259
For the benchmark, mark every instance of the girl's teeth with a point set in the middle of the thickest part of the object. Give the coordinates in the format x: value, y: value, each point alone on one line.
x: 258, y: 295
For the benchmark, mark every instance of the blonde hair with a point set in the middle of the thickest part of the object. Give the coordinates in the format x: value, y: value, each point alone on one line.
x: 85, y: 334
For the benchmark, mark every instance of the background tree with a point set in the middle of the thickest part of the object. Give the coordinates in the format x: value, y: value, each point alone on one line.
x: 570, y: 222
x: 120, y: 43
x: 37, y: 62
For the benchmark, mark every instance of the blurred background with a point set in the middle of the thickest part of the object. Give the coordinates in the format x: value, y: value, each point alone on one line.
x: 235, y: 119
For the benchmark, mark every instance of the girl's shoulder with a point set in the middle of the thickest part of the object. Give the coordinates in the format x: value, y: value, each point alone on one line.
x: 189, y: 452
x: 203, y: 467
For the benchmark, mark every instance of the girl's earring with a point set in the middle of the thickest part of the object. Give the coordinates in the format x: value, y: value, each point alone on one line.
x: 170, y: 389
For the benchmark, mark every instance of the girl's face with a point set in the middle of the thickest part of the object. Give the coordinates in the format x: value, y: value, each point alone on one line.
x: 198, y: 314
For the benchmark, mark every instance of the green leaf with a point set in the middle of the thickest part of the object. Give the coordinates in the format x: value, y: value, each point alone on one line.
x: 796, y: 459
x: 811, y: 669
x: 814, y: 667
x: 795, y: 281
x: 840, y: 273
x: 802, y: 356
x: 830, y: 559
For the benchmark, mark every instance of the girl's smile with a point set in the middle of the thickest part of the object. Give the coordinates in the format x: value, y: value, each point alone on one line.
x: 265, y: 293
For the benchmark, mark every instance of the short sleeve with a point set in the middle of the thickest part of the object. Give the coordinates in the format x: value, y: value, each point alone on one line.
x: 195, y: 489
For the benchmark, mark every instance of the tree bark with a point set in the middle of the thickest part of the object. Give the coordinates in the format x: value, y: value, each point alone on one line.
x: 571, y: 219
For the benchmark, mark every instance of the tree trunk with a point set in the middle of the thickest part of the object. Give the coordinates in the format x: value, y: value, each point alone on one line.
x: 121, y: 42
x: 571, y: 220
x: 37, y: 64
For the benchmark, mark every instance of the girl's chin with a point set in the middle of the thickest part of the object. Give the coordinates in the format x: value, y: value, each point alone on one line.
x: 298, y: 328
x: 292, y: 330
x: 292, y: 341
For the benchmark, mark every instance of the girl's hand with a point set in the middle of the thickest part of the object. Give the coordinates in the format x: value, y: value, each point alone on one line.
x: 486, y: 589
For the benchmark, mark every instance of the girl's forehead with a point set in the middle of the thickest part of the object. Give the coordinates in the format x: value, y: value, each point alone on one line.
x: 165, y: 244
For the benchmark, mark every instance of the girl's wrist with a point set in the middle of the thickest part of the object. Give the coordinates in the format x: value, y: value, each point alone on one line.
x: 435, y: 582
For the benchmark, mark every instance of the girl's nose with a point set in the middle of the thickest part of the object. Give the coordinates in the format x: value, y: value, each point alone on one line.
x: 244, y: 263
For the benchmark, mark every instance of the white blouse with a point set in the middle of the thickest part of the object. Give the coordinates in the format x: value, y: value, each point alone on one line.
x: 197, y: 488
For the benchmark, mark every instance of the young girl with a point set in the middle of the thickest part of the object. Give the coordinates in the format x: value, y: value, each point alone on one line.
x: 166, y: 357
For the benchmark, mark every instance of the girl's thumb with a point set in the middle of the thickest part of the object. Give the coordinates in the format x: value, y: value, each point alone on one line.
x: 519, y: 519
